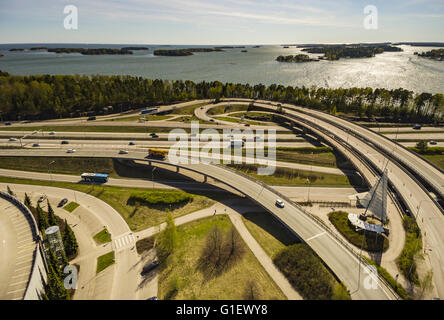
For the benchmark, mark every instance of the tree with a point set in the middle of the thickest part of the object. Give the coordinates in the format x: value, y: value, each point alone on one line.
x: 27, y: 201
x: 70, y: 241
x: 52, y: 219
x: 167, y: 240
x: 10, y: 191
x: 422, y: 146
x: 251, y: 291
x: 42, y: 220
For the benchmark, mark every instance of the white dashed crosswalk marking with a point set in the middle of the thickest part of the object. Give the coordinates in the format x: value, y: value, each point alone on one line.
x: 124, y: 241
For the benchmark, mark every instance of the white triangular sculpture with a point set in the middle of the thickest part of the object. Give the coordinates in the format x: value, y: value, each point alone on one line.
x: 376, y: 199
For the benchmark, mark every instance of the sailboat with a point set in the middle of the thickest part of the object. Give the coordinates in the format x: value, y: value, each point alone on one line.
x: 375, y: 202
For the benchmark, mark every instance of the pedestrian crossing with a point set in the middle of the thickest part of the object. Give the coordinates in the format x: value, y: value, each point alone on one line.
x: 124, y: 241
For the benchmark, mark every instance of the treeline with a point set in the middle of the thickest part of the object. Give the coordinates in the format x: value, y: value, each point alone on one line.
x: 90, y: 51
x: 297, y: 58
x: 54, y: 96
x: 183, y: 52
x: 435, y: 54
x: 338, y: 52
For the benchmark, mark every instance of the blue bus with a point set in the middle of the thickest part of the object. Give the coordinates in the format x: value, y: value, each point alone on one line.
x: 94, y: 177
x: 149, y: 110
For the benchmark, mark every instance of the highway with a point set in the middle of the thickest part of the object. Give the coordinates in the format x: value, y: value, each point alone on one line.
x: 429, y: 216
x: 343, y: 263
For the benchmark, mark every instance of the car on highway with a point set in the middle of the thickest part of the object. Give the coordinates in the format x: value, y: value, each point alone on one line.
x: 152, y: 298
x: 63, y: 202
x: 154, y: 136
x: 131, y: 144
x: 35, y: 145
x: 433, y: 143
x: 65, y: 142
x: 52, y: 133
x: 280, y: 203
x: 70, y: 150
x: 247, y: 124
x: 8, y: 123
x: 42, y: 198
x: 212, y: 120
x: 12, y: 139
x: 123, y: 152
x: 150, y: 267
x: 91, y: 118
x: 417, y: 127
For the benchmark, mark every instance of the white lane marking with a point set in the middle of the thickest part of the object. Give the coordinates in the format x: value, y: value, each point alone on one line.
x: 318, y: 235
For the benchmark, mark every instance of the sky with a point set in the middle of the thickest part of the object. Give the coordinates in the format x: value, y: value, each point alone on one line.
x: 218, y: 22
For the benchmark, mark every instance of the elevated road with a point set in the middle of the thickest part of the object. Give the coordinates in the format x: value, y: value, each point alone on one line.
x: 336, y: 254
x: 383, y: 153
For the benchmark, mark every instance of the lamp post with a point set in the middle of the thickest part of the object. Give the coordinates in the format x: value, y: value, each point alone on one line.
x: 152, y: 175
x: 49, y: 169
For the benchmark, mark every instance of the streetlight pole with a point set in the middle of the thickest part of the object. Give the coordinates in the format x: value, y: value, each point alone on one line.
x: 152, y: 175
x: 49, y: 169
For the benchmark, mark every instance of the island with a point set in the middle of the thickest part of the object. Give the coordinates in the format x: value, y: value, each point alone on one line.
x: 135, y: 48
x: 296, y: 58
x: 184, y: 52
x: 16, y: 49
x: 244, y: 51
x: 230, y: 47
x: 435, y: 54
x: 83, y: 51
x: 1, y: 55
x: 345, y: 51
x: 38, y: 48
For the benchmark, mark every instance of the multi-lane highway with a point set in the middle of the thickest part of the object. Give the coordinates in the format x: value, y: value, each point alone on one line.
x: 337, y: 256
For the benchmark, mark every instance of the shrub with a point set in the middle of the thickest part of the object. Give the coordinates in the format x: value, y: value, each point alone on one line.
x: 372, y: 242
x: 306, y: 272
x: 160, y: 197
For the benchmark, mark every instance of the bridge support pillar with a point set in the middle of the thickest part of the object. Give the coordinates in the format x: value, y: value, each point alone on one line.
x: 205, y: 179
x: 149, y: 163
x: 177, y: 169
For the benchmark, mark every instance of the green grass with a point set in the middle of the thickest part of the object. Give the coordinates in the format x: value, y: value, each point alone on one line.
x: 276, y: 239
x: 78, y: 165
x: 181, y: 275
x: 268, y: 232
x: 102, y: 237
x: 164, y: 197
x: 105, y: 261
x: 437, y: 160
x: 70, y: 207
x: 412, y: 247
x: 236, y: 120
x: 398, y: 288
x: 138, y: 217
x: 225, y: 109
x: 189, y: 110
x: 149, y: 117
x: 433, y: 154
x: 369, y: 241
x: 293, y: 177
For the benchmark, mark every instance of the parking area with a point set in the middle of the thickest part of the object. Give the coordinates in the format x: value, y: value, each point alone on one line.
x: 17, y: 248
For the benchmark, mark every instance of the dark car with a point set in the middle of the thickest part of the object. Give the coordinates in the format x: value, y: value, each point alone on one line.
x: 8, y: 123
x: 150, y: 267
x: 152, y: 298
x: 65, y: 142
x: 91, y: 118
x: 154, y: 136
x: 63, y: 202
x: 131, y: 144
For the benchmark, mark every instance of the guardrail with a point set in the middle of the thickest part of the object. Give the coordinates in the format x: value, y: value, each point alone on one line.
x: 36, y: 238
x: 316, y: 220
